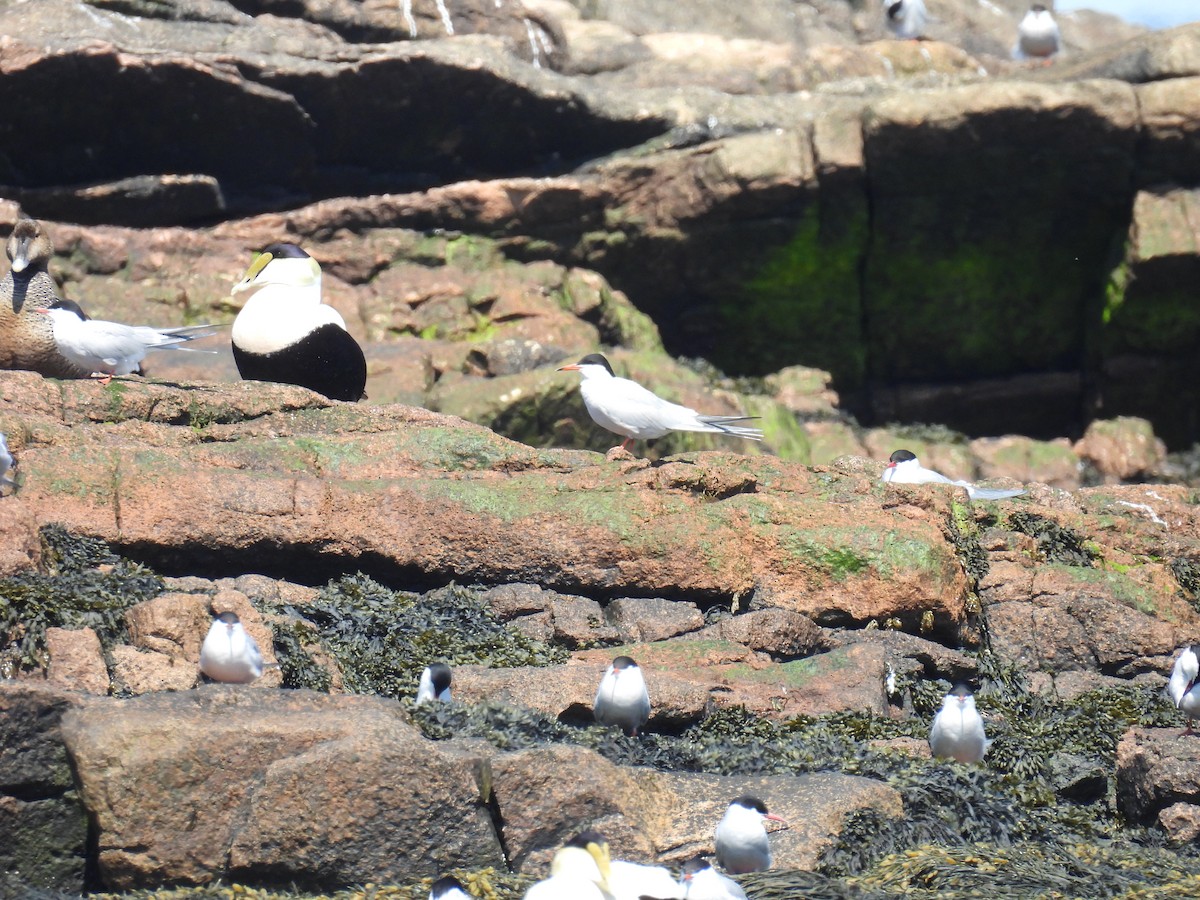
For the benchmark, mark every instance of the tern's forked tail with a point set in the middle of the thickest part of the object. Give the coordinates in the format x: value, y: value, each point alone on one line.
x: 978, y: 493
x: 725, y: 425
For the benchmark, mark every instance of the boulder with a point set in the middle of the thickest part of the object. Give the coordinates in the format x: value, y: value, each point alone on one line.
x: 1158, y: 772
x: 76, y: 660
x: 287, y: 788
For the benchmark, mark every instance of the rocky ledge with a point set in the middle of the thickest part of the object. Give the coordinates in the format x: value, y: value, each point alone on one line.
x: 797, y: 625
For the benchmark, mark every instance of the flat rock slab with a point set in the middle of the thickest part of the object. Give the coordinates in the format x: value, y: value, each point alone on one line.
x: 325, y: 485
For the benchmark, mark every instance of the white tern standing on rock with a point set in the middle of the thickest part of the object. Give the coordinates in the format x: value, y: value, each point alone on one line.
x: 228, y: 653
x: 904, y: 468
x: 1183, y: 687
x: 579, y: 871
x: 109, y: 348
x: 906, y: 18
x: 626, y: 408
x: 7, y: 464
x: 622, y: 698
x: 741, y: 837
x: 957, y: 731
x: 1037, y: 35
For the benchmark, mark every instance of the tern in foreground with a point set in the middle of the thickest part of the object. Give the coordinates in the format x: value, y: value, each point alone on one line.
x: 579, y: 871
x: 633, y: 881
x: 1183, y: 687
x: 957, y: 731
x: 228, y: 653
x: 448, y: 888
x: 702, y: 882
x: 626, y: 408
x: 435, y: 684
x: 904, y: 468
x: 1037, y: 35
x: 106, y: 349
x: 906, y: 18
x: 742, y: 843
x: 622, y: 698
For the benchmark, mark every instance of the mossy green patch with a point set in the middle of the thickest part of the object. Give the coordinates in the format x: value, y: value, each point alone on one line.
x: 799, y: 300
x: 1117, y: 585
x: 461, y: 449
x: 840, y: 553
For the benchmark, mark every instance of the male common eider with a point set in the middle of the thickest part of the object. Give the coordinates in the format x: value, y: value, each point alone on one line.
x: 284, y: 332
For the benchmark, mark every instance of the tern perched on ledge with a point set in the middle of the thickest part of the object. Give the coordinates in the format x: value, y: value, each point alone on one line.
x: 904, y: 468
x: 906, y: 18
x: 622, y: 698
x: 229, y: 654
x: 741, y: 836
x: 109, y: 348
x: 957, y: 731
x: 626, y: 408
x: 1182, y: 687
x: 1038, y: 36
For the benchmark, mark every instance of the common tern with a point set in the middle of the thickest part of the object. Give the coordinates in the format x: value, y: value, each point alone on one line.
x: 904, y: 468
x: 702, y: 882
x: 105, y: 348
x: 626, y: 408
x: 1038, y: 36
x: 957, y: 731
x: 228, y: 653
x: 448, y: 888
x: 906, y: 18
x: 1183, y: 687
x: 286, y: 334
x: 435, y: 684
x: 741, y: 836
x: 579, y: 871
x: 622, y: 698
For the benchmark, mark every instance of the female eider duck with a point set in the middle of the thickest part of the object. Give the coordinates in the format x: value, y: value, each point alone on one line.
x: 26, y: 339
x: 284, y: 332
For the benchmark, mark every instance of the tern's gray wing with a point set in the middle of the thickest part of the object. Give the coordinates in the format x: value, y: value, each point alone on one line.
x: 638, y: 409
